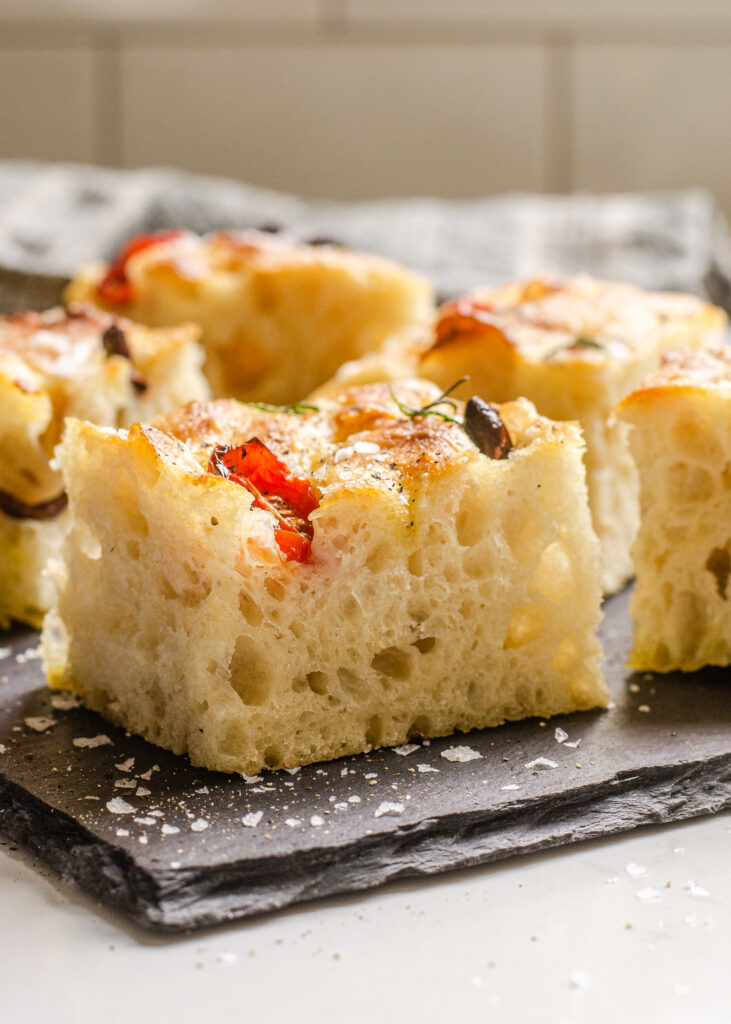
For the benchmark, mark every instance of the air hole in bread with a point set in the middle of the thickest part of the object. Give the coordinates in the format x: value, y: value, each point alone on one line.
x: 689, y: 482
x: 425, y: 644
x: 718, y: 564
x: 470, y: 527
x: 416, y: 563
x: 379, y: 558
x: 348, y: 680
x: 273, y: 756
x: 250, y: 609
x: 317, y: 682
x: 374, y: 731
x: 420, y: 727
x: 274, y: 588
x: 135, y: 523
x: 250, y: 673
x: 392, y: 662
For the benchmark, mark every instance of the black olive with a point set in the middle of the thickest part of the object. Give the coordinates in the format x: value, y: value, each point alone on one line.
x: 484, y: 426
x: 17, y: 509
x: 115, y: 343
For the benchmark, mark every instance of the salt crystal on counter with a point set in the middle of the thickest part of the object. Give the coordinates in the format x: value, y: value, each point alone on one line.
x: 40, y: 723
x: 648, y: 893
x: 119, y: 806
x: 252, y: 820
x: 64, y: 701
x: 511, y: 786
x: 388, y: 808
x: 126, y: 766
x: 199, y: 825
x: 635, y: 870
x: 695, y: 890
x: 125, y: 784
x: 461, y: 754
x: 250, y: 779
x: 541, y: 762
x: 316, y: 821
x: 579, y: 980
x: 169, y: 830
x: 5, y: 652
x: 141, y: 791
x: 292, y: 822
x: 91, y: 741
x: 425, y: 768
x: 405, y: 749
x: 645, y: 708
x: 353, y: 799
x: 560, y: 735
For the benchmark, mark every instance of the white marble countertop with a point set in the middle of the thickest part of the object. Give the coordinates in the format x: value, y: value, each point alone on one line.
x: 634, y: 928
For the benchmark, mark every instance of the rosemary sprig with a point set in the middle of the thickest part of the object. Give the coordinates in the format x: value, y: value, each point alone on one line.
x: 578, y: 342
x: 430, y: 409
x: 296, y: 409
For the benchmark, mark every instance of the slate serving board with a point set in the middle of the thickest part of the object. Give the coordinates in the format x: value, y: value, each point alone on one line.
x: 177, y: 848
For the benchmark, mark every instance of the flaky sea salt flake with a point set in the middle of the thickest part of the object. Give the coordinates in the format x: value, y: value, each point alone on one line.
x: 252, y: 820
x: 92, y: 741
x: 388, y: 808
x: 423, y: 768
x: 64, y: 701
x: 126, y: 766
x: 461, y: 754
x: 199, y: 825
x: 695, y: 890
x: 635, y: 870
x: 541, y: 762
x: 169, y: 830
x: 560, y: 735
x: 119, y: 806
x: 40, y: 723
x: 405, y: 749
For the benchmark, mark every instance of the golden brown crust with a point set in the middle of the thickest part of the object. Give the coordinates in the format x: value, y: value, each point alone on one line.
x: 688, y: 370
x: 576, y: 319
x: 358, y: 439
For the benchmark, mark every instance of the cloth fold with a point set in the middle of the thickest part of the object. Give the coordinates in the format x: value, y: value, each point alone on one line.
x: 55, y: 217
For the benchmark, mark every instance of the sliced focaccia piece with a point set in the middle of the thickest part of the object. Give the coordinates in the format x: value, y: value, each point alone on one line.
x: 574, y: 347
x: 680, y: 438
x: 274, y: 588
x: 76, y: 362
x: 277, y: 317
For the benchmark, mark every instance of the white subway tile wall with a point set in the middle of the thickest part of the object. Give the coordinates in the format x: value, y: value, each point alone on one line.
x: 342, y: 120
x: 365, y: 98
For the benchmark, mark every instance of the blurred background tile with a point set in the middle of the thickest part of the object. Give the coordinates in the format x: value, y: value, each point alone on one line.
x: 46, y: 102
x: 649, y: 117
x: 341, y: 120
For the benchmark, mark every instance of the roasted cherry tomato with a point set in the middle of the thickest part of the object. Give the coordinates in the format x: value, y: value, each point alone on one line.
x: 114, y: 287
x: 289, y: 498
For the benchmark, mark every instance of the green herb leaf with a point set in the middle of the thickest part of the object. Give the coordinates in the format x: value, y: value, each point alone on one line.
x: 430, y: 409
x: 578, y: 342
x: 296, y: 409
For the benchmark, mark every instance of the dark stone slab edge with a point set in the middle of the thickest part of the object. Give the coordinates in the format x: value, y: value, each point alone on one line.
x: 168, y: 900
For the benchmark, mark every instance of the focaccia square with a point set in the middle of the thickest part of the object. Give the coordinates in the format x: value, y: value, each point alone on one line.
x: 76, y: 362
x: 278, y: 317
x: 680, y: 438
x: 575, y: 348
x: 260, y: 588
